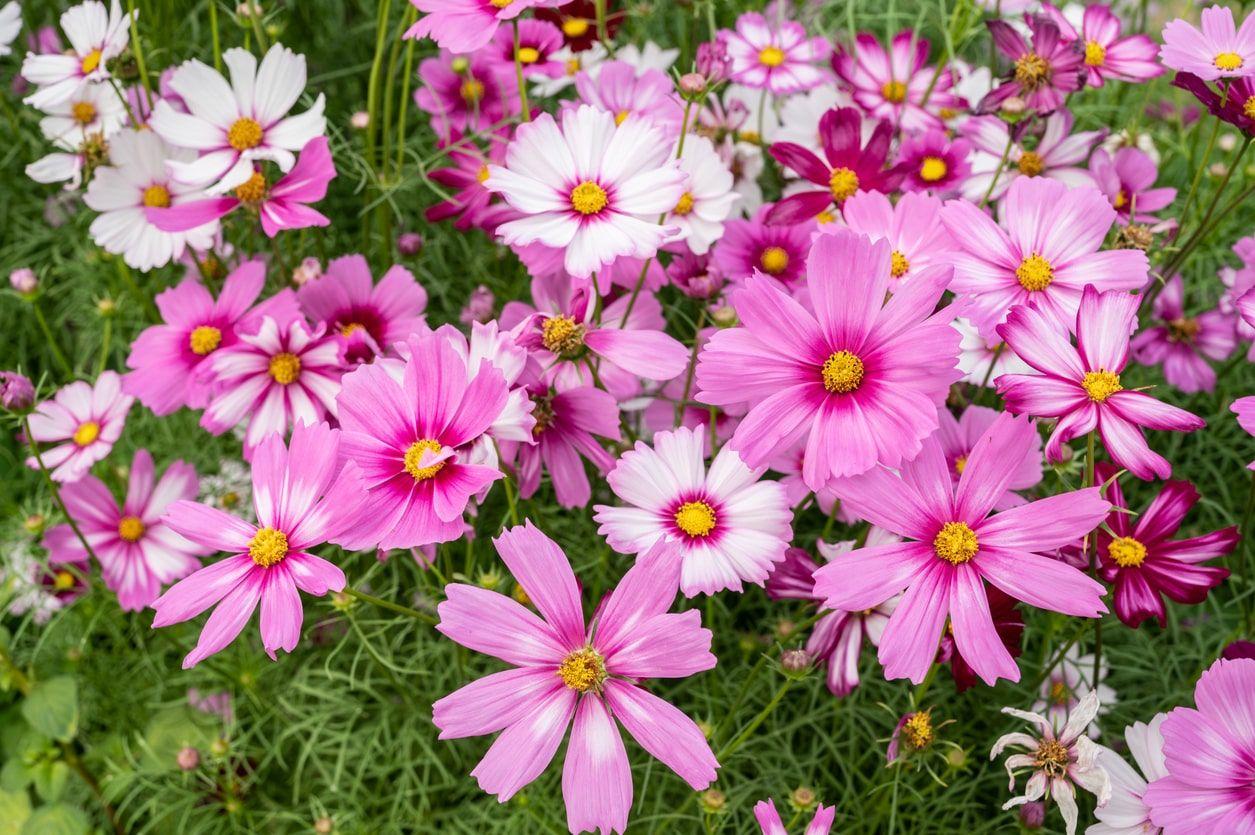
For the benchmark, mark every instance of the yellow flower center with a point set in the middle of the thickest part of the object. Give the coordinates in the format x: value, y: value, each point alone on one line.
x: 246, y: 133
x: 1228, y: 61
x: 583, y: 670
x: 588, y: 198
x: 695, y: 518
x: 157, y: 196
x: 414, y: 458
x: 1100, y: 385
x: 842, y: 372
x: 898, y: 265
x: 500, y: 4
x: 63, y: 581
x: 1248, y: 108
x: 894, y: 91
x: 1183, y: 330
x: 285, y: 368
x: 774, y: 260
x: 562, y: 335
x: 1035, y: 273
x: 960, y: 464
x: 1059, y: 693
x: 572, y: 66
x: 771, y: 56
x: 1030, y: 164
x: 205, y: 339
x: 1052, y: 758
x: 825, y: 217
x: 574, y: 27
x: 955, y: 543
x: 529, y: 55
x: 92, y: 60
x: 1122, y: 199
x: 130, y: 528
x: 84, y: 112
x: 933, y: 169
x: 918, y: 730
x: 622, y: 116
x: 843, y: 182
x: 1031, y: 70
x: 472, y: 90
x: 268, y: 547
x: 1127, y: 552
x: 253, y: 189
x: 483, y: 174
x: 86, y: 433
x: 685, y: 205
x: 1095, y: 53
x: 350, y: 328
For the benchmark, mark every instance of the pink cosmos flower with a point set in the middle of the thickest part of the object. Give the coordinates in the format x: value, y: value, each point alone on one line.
x: 1220, y: 50
x: 728, y: 524
x: 1046, y: 67
x: 566, y: 423
x: 1127, y: 180
x: 85, y: 420
x: 1145, y: 565
x: 849, y: 166
x: 955, y: 547
x: 1183, y: 344
x: 897, y: 85
x: 1244, y: 408
x: 138, y: 551
x: 958, y: 440
x: 776, y: 56
x: 1058, y: 155
x: 566, y: 672
x: 931, y: 161
x: 282, y: 205
x: 368, y: 318
x: 406, y: 425
x: 1081, y: 385
x: 1107, y: 55
x: 467, y: 25
x: 470, y: 202
x: 591, y: 187
x: 169, y: 360
x: 912, y: 227
x: 1208, y: 751
x: 539, y: 43
x: 617, y: 88
x: 860, y: 377
x: 466, y: 93
x: 1126, y: 813
x: 754, y: 245
x: 769, y: 819
x: 302, y: 498
x: 277, y: 378
x: 1045, y: 251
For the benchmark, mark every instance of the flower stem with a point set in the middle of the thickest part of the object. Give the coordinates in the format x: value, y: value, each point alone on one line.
x: 79, y: 768
x: 1091, y: 538
x: 388, y: 604
x: 57, y: 354
x: 137, y: 48
x: 740, y: 738
x: 213, y: 33
x: 1006, y: 152
x: 688, y: 378
x: 518, y: 73
x: 56, y: 493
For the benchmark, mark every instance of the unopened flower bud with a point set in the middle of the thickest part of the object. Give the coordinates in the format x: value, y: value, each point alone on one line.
x: 802, y: 798
x: 34, y: 524
x: 692, y: 84
x: 785, y: 629
x: 188, y: 758
x: 24, y: 281
x: 707, y: 729
x: 409, y: 243
x: 712, y: 60
x: 488, y: 580
x: 725, y: 316
x: 795, y: 660
x: 219, y: 747
x: 306, y: 271
x: 460, y: 65
x: 360, y: 120
x: 1014, y: 106
x: 16, y: 392
x: 248, y: 10
x: 956, y: 758
x: 1218, y: 169
x: 478, y: 306
x: 1033, y: 815
x: 106, y: 306
x: 324, y: 825
x: 713, y: 801
x: 1227, y: 142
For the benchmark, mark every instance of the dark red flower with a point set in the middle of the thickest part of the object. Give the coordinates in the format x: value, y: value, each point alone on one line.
x: 1237, y: 107
x: 578, y: 22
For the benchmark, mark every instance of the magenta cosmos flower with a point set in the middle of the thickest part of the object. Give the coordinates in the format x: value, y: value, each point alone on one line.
x: 469, y: 201
x: 775, y: 56
x: 897, y: 85
x: 138, y: 551
x: 84, y: 421
x: 769, y: 819
x: 860, y: 377
x: 848, y: 167
x: 627, y: 93
x: 466, y: 93
x: 1081, y: 385
x: 932, y: 161
x: 754, y: 245
x: 1128, y: 180
x: 367, y: 317
x: 1045, y: 252
x: 168, y: 360
x: 1145, y: 565
x: 592, y: 187
x: 567, y: 672
x: 1210, y: 757
x: 729, y: 525
x: 959, y: 438
x: 538, y: 52
x: 302, y: 497
x: 566, y: 423
x: 912, y: 227
x: 277, y: 377
x: 1046, y: 67
x: 467, y: 25
x: 1183, y: 344
x: 1220, y: 50
x: 1059, y: 154
x: 407, y: 426
x: 956, y: 547
x: 1107, y: 55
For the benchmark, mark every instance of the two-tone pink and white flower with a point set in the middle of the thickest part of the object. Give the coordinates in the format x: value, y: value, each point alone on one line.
x: 83, y: 421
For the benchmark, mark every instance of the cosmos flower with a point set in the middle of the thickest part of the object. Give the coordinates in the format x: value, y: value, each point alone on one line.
x: 466, y: 93
x: 537, y: 53
x: 860, y: 377
x: 1208, y: 753
x: 769, y: 819
x: 1046, y: 67
x: 566, y: 672
x: 1008, y: 623
x: 566, y: 423
x: 235, y: 125
x: 775, y: 56
x: 1244, y: 408
x: 1145, y: 565
x: 1067, y: 684
x: 84, y: 420
x: 1235, y: 104
x: 10, y: 26
x: 302, y: 498
x: 1081, y: 385
x: 1107, y: 55
x: 1220, y: 50
x: 754, y: 245
x: 729, y: 525
x: 470, y: 202
x: 79, y: 129
x: 983, y: 360
x: 591, y: 186
x: 959, y: 437
x: 96, y: 37
x: 1126, y: 813
x: 138, y: 551
x: 467, y: 25
x: 617, y: 88
x: 897, y: 85
x: 1058, y: 155
x: 932, y: 161
x: 912, y: 227
x: 955, y: 547
x: 708, y: 197
x: 1183, y: 344
x: 1128, y: 179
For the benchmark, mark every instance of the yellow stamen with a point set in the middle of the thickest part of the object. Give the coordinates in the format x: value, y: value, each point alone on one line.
x: 622, y: 116
x: 472, y: 90
x: 898, y: 265
x: 529, y: 55
x: 1052, y: 758
x: 933, y: 169
x: 92, y: 60
x: 252, y: 190
x: 771, y: 56
x: 825, y: 217
x: 1035, y: 273
x: 842, y: 372
x: 268, y: 547
x: 414, y: 458
x: 774, y: 260
x: 285, y: 368
x: 1030, y: 164
x: 563, y: 336
x: 695, y: 518
x: 918, y: 730
x: 1059, y: 693
x: 572, y: 66
x: 894, y: 91
x: 955, y: 543
x: 1122, y: 199
x: 86, y: 433
x: 574, y: 27
x: 588, y: 198
x: 1100, y: 385
x: 1183, y: 330
x: 63, y: 581
x: 685, y: 205
x: 246, y: 133
x: 157, y: 196
x: 500, y: 4
x: 1248, y: 108
x: 483, y: 174
x: 204, y: 340
x: 960, y: 464
x: 350, y: 328
x: 130, y: 528
x: 1127, y: 552
x: 84, y: 112
x: 1228, y: 61
x: 843, y: 182
x: 583, y: 670
x: 1031, y: 71
x: 1095, y: 53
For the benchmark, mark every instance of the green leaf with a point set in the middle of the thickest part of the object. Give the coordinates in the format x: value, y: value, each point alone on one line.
x: 50, y: 778
x: 170, y: 731
x: 15, y: 776
x: 52, y: 708
x: 15, y: 808
x: 56, y: 819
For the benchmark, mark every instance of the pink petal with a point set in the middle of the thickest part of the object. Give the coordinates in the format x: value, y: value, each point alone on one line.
x: 525, y: 748
x: 495, y: 701
x: 492, y: 623
x: 596, y: 778
x: 664, y: 731
x: 545, y: 574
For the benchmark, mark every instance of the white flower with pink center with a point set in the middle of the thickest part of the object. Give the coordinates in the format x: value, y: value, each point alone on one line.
x: 96, y: 36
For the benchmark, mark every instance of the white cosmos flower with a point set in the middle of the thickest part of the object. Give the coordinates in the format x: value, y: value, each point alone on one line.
x: 96, y: 36
x: 708, y: 196
x: 233, y: 124
x: 977, y: 354
x: 79, y: 127
x: 10, y: 26
x: 1126, y: 813
x: 136, y: 178
x: 574, y: 63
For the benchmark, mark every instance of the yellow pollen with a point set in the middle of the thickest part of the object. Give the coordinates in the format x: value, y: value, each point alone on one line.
x: 842, y: 372
x: 1228, y: 61
x: 1095, y: 53
x: 750, y: 136
x: 1183, y: 330
x: 588, y: 198
x: 1059, y: 693
x: 1122, y: 199
x: 574, y: 27
x: 246, y: 133
x: 1248, y: 108
x: 84, y: 112
x: 529, y: 55
x: 621, y: 116
x: 771, y: 56
x: 960, y: 464
x: 933, y: 169
x: 130, y: 528
x: 1030, y: 164
x: 1127, y: 552
x: 1031, y: 70
x: 230, y: 499
x: 572, y: 66
x: 1100, y: 385
x: 1035, y: 273
x: 414, y: 457
x: 894, y: 91
x: 204, y: 340
x: 1052, y: 758
x: 955, y: 543
x: 350, y: 328
x: 92, y: 60
x: 157, y: 196
x: 285, y: 368
x: 268, y: 547
x: 684, y: 206
x: 253, y: 189
x: 459, y: 65
x: 562, y: 335
x: 695, y: 518
x: 843, y: 182
x: 63, y: 581
x: 583, y: 670
x: 774, y: 260
x: 86, y: 433
x: 898, y: 265
x: 472, y: 90
x: 918, y: 730
x: 500, y: 4
x: 483, y: 175
x: 825, y: 217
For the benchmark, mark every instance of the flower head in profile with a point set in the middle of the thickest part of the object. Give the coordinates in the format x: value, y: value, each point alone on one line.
x: 708, y: 197
x: 769, y: 819
x: 470, y: 204
x: 1058, y: 154
x: 959, y: 437
x: 1045, y: 68
x: 367, y: 317
x: 566, y: 672
x: 1183, y: 344
x: 778, y: 56
x: 79, y: 129
x: 467, y: 25
x: 1235, y: 103
x: 97, y: 35
x: 1220, y: 50
x: 83, y: 421
x: 1066, y: 685
x: 137, y: 549
x: 896, y: 84
x: 567, y: 425
x: 1126, y: 811
x: 954, y: 547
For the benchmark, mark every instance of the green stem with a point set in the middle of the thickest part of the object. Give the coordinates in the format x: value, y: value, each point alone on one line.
x: 404, y: 105
x: 52, y: 485
x: 213, y: 34
x: 1198, y: 172
x: 740, y: 738
x: 518, y: 73
x: 79, y: 768
x: 388, y: 604
x: 508, y: 485
x: 1002, y: 163
x: 52, y: 342
x: 103, y: 362
x: 1092, y: 540
x: 1202, y: 230
x: 137, y: 48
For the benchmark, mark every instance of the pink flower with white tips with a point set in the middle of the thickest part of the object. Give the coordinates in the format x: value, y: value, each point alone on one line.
x: 896, y: 84
x: 84, y: 420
